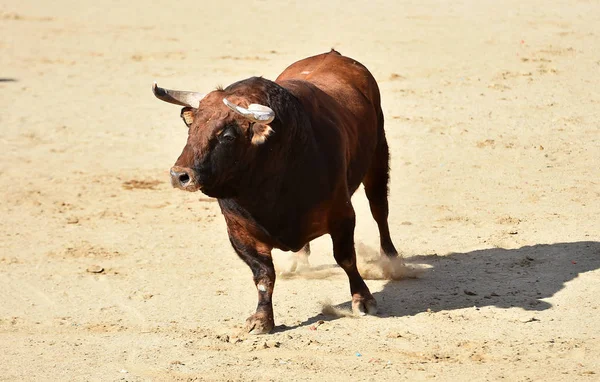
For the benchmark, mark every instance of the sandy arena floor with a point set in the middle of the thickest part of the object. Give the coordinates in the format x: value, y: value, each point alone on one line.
x: 493, y: 118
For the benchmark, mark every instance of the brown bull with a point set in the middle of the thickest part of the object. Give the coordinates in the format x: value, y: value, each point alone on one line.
x: 283, y: 159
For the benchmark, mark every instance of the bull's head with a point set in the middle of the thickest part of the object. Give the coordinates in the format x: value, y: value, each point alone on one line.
x: 223, y: 138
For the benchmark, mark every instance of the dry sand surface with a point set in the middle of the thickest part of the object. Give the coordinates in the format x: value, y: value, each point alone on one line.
x: 492, y: 113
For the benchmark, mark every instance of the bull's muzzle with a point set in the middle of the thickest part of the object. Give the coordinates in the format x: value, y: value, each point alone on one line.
x: 183, y: 178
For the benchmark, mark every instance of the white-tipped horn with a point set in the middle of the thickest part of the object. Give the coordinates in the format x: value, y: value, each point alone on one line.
x: 178, y: 97
x: 255, y: 112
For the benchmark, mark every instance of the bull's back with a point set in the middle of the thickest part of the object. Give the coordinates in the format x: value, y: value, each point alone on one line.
x: 346, y: 99
x: 339, y: 76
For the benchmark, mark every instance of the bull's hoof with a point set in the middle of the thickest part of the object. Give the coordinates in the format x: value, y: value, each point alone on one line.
x: 389, y: 251
x: 362, y: 306
x: 259, y: 323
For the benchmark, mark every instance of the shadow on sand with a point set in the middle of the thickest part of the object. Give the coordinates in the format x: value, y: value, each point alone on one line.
x: 504, y: 278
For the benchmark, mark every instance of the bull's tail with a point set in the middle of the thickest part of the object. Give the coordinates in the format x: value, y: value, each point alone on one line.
x: 376, y: 188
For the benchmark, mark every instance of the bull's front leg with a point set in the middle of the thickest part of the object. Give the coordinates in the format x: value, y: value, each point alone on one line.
x: 258, y: 258
x: 300, y: 261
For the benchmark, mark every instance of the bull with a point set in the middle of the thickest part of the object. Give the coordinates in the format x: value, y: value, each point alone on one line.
x: 283, y: 159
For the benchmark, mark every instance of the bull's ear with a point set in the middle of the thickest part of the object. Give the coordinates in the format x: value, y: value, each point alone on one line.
x: 187, y: 114
x: 260, y: 133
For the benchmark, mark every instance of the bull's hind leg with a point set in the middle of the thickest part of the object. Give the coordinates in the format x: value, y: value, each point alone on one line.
x: 342, y: 235
x: 376, y: 188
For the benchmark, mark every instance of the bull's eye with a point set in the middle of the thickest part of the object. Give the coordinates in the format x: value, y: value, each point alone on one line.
x: 227, y: 136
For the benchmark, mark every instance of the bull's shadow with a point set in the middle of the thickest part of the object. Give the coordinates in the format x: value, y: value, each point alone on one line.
x: 504, y: 278
x: 498, y: 277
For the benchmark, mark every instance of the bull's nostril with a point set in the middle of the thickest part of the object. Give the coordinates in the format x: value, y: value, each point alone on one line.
x: 184, y: 179
x: 180, y: 177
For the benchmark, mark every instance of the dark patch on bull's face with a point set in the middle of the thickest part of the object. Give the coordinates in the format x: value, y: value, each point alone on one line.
x: 218, y: 149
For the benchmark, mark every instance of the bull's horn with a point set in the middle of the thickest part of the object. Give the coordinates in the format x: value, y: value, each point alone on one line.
x: 178, y: 97
x: 254, y: 112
